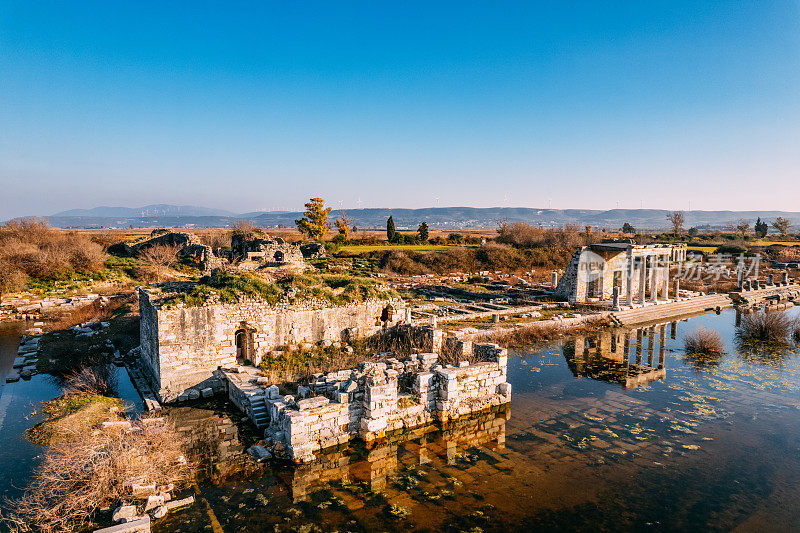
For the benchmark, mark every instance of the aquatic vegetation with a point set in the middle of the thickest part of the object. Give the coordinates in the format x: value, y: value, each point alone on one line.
x: 766, y: 326
x: 398, y: 512
x: 704, y: 347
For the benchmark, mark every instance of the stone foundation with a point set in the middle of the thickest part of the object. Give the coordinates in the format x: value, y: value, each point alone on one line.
x: 377, y: 399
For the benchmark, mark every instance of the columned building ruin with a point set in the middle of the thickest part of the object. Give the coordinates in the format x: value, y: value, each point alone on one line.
x: 620, y: 273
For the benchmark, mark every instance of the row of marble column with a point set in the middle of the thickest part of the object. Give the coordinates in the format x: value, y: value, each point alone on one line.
x: 654, y: 266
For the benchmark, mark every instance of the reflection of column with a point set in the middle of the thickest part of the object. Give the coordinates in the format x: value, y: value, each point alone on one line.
x: 639, y: 334
x: 738, y: 317
x: 626, y: 347
x: 650, y: 344
x: 663, y: 346
x: 673, y: 330
x: 424, y: 454
x: 642, y: 278
x: 451, y: 451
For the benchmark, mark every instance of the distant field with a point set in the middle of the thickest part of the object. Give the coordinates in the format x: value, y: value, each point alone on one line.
x: 704, y: 249
x: 785, y: 243
x: 360, y: 248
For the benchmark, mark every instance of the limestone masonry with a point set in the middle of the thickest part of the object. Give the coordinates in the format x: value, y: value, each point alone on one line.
x: 182, y: 346
x: 635, y: 273
x: 373, y: 400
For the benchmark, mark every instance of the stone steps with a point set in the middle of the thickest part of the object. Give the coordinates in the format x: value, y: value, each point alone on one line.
x: 259, y: 412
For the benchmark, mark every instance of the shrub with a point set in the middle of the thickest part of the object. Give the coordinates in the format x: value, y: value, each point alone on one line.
x: 31, y: 249
x: 704, y: 341
x: 764, y: 326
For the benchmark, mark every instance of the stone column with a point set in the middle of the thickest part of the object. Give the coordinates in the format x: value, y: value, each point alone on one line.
x: 665, y: 286
x: 785, y: 278
x: 615, y: 299
x: 642, y: 278
x: 676, y: 286
x: 555, y: 279
x: 629, y: 286
x: 740, y: 273
x: 654, y: 278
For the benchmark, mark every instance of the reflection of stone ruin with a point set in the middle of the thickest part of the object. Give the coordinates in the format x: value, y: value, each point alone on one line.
x: 433, y: 444
x: 374, y: 400
x: 620, y: 273
x: 625, y: 357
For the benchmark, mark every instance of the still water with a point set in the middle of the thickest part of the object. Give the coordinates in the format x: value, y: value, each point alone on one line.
x: 591, y: 441
x: 20, y: 409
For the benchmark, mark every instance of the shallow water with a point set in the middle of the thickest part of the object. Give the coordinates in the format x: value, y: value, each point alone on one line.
x: 699, y: 444
x: 20, y: 409
x: 705, y: 445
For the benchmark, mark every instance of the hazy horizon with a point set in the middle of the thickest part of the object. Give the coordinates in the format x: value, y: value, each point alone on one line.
x: 242, y: 107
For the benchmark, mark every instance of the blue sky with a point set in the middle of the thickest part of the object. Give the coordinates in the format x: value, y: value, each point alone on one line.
x: 259, y: 105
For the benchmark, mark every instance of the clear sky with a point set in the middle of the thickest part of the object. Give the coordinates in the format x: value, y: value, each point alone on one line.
x: 260, y: 105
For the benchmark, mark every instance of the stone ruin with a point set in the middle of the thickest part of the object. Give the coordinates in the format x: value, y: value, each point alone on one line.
x: 265, y: 250
x: 376, y: 399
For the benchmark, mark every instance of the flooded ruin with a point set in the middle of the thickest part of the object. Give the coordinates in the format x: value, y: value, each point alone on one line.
x: 619, y: 430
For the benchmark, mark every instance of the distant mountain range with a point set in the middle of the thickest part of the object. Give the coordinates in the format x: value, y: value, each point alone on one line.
x: 187, y: 216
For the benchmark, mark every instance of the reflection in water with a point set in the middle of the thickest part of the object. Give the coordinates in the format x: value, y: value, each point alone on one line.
x: 375, y: 466
x: 617, y: 356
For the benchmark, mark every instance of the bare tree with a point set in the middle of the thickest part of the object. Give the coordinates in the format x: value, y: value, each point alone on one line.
x: 743, y: 227
x: 161, y: 257
x: 782, y: 225
x: 676, y: 218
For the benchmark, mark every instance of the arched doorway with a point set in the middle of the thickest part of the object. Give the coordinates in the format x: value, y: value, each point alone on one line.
x: 278, y: 257
x: 244, y: 345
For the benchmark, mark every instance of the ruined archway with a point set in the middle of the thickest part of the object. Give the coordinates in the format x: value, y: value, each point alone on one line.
x: 279, y: 257
x: 244, y: 345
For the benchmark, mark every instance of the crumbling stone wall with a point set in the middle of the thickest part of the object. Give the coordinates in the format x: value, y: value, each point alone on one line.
x: 377, y: 399
x: 182, y: 346
x: 265, y: 249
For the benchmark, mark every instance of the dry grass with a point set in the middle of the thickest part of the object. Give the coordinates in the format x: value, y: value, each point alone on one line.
x: 540, y: 332
x: 704, y: 341
x: 30, y: 248
x: 87, y: 468
x: 767, y: 326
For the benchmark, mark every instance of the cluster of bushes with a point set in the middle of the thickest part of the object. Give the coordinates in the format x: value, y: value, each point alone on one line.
x: 31, y: 250
x: 522, y: 235
x: 460, y: 259
x: 231, y: 287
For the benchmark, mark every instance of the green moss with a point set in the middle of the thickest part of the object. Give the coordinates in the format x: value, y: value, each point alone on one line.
x: 230, y: 287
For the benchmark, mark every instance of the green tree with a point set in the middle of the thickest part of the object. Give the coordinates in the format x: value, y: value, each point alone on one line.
x: 761, y: 228
x: 390, y: 232
x: 422, y: 231
x: 627, y: 228
x: 693, y: 231
x: 315, y: 219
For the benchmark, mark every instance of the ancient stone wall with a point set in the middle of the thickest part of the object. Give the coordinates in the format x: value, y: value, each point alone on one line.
x: 381, y: 398
x: 182, y: 346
